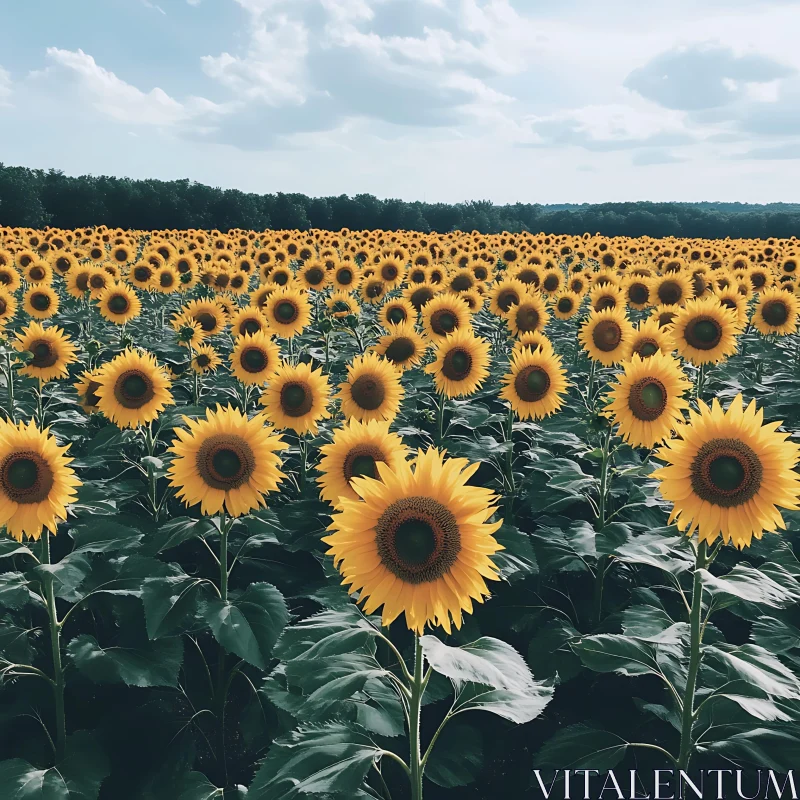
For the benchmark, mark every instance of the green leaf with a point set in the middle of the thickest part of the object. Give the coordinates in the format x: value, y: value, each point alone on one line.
x: 549, y: 654
x: 581, y: 747
x: 747, y: 583
x: 106, y: 535
x: 77, y: 777
x: 152, y: 663
x: 487, y: 661
x: 611, y: 652
x: 379, y: 710
x: 14, y: 592
x: 658, y: 549
x: 169, y: 603
x: 327, y: 634
x: 248, y: 625
x: 516, y: 706
x: 757, y: 666
x: 11, y: 547
x: 180, y: 530
x: 68, y: 574
x: 457, y: 756
x: 761, y: 747
x: 330, y: 759
x: 517, y: 560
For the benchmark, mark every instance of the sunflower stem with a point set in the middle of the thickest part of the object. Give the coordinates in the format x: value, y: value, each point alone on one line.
x: 590, y: 384
x: 195, y: 379
x: 417, y: 690
x: 509, y: 515
x: 694, y: 659
x: 10, y: 387
x: 440, y: 420
x: 55, y: 643
x: 700, y: 383
x: 302, y: 445
x: 39, y: 405
x: 603, y: 560
x: 152, y: 485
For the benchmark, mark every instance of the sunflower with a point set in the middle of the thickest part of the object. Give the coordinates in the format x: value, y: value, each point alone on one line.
x: 420, y: 294
x: 527, y: 316
x: 86, y: 386
x: 566, y: 305
x: 396, y: 312
x: 730, y: 298
x: 504, y: 294
x: 225, y: 461
x: 340, y: 305
x: 248, y: 320
x: 208, y: 314
x: 166, y: 280
x: 418, y: 542
x: 288, y: 312
x: 189, y: 331
x: 606, y: 336
x: 534, y: 383
x: 141, y: 275
x: 63, y: 262
x: 760, y: 278
x: 776, y: 312
x: 372, y: 389
x: 372, y: 290
x: 9, y: 279
x: 552, y: 282
x: 704, y: 331
x: 133, y: 389
x: 51, y: 349
x: 8, y: 307
x: 355, y: 452
x: 313, y: 275
x: 119, y: 303
x: 461, y: 280
x: 664, y: 315
x: 281, y: 275
x: 444, y: 314
x: 461, y: 364
x: 402, y: 346
x: 578, y: 285
x: 205, y: 359
x: 346, y: 277
x: 255, y: 356
x: 38, y: 272
x: 672, y: 289
x: 474, y: 299
x: 97, y: 282
x: 40, y: 301
x: 35, y: 482
x: 648, y: 339
x: 532, y: 340
x: 647, y: 399
x: 727, y: 474
x: 296, y: 398
x: 606, y: 296
x: 391, y: 271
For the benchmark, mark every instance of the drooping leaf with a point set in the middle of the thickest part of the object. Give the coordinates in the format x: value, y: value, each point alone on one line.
x: 170, y: 603
x: 755, y: 665
x: 747, y: 583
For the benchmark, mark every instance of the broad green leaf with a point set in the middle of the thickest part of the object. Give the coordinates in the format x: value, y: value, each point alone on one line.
x: 487, y: 661
x: 68, y: 575
x: 549, y: 653
x: 580, y: 747
x: 106, y: 535
x: 11, y: 547
x: 517, y: 706
x: 151, y: 663
x: 609, y: 652
x: 747, y: 583
x: 179, y: 530
x: 660, y: 549
x: 330, y: 759
x: 759, y: 707
x: 761, y: 747
x: 248, y: 625
x: 170, y: 604
x: 457, y: 756
x: 327, y: 634
x: 517, y: 560
x: 757, y: 666
x: 77, y: 777
x: 379, y: 710
x: 14, y: 592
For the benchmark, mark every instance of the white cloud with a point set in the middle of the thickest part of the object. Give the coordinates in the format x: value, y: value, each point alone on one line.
x: 154, y: 6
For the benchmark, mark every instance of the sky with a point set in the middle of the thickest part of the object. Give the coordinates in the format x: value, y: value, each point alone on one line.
x: 436, y: 100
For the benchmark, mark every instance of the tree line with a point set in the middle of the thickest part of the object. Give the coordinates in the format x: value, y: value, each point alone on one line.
x: 35, y: 198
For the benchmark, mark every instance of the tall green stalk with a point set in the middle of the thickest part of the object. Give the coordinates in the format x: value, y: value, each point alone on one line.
x: 415, y: 709
x: 440, y: 419
x: 602, y: 514
x: 10, y: 387
x: 509, y: 511
x: 55, y: 645
x: 687, y: 720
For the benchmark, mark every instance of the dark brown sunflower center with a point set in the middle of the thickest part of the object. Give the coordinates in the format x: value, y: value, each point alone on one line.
x: 206, y: 320
x: 97, y: 281
x: 481, y: 273
x: 253, y: 359
x: 368, y: 392
x: 315, y: 276
x: 400, y: 350
x: 646, y: 347
x: 36, y: 274
x: 389, y: 272
x: 374, y: 289
x: 40, y: 301
x: 421, y: 296
x: 44, y: 354
x: 27, y: 477
x: 142, y: 274
x: 790, y: 266
x: 203, y: 360
x: 418, y: 539
x: 775, y: 312
x: 532, y: 384
x: 729, y: 303
x: 647, y: 399
x: 417, y: 276
x: 564, y: 305
x: 3, y: 306
x: 528, y: 276
x: 91, y: 398
x: 225, y: 461
x: 670, y: 293
x: 296, y: 399
x: 607, y: 335
x: 250, y: 326
x: 443, y: 321
x: 758, y: 279
x: 280, y: 277
x: 82, y: 281
x: 183, y: 266
x: 361, y: 462
x: 638, y: 293
x: 550, y: 283
x: 506, y: 299
x: 166, y: 279
x: 63, y: 264
x: 665, y: 318
x: 134, y: 389
x: 344, y: 276
x: 461, y: 283
x: 527, y: 318
x: 118, y: 304
x: 396, y: 315
x: 605, y: 301
x: 703, y: 333
x: 726, y: 472
x: 457, y: 364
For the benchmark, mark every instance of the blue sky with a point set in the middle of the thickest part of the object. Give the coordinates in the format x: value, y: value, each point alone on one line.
x: 442, y: 100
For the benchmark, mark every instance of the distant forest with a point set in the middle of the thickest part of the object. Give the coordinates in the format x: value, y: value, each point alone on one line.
x: 35, y: 198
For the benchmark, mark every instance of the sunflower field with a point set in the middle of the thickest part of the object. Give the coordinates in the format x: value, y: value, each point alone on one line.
x: 371, y: 514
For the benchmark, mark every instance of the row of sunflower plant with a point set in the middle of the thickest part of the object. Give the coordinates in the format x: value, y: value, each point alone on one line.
x: 282, y: 507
